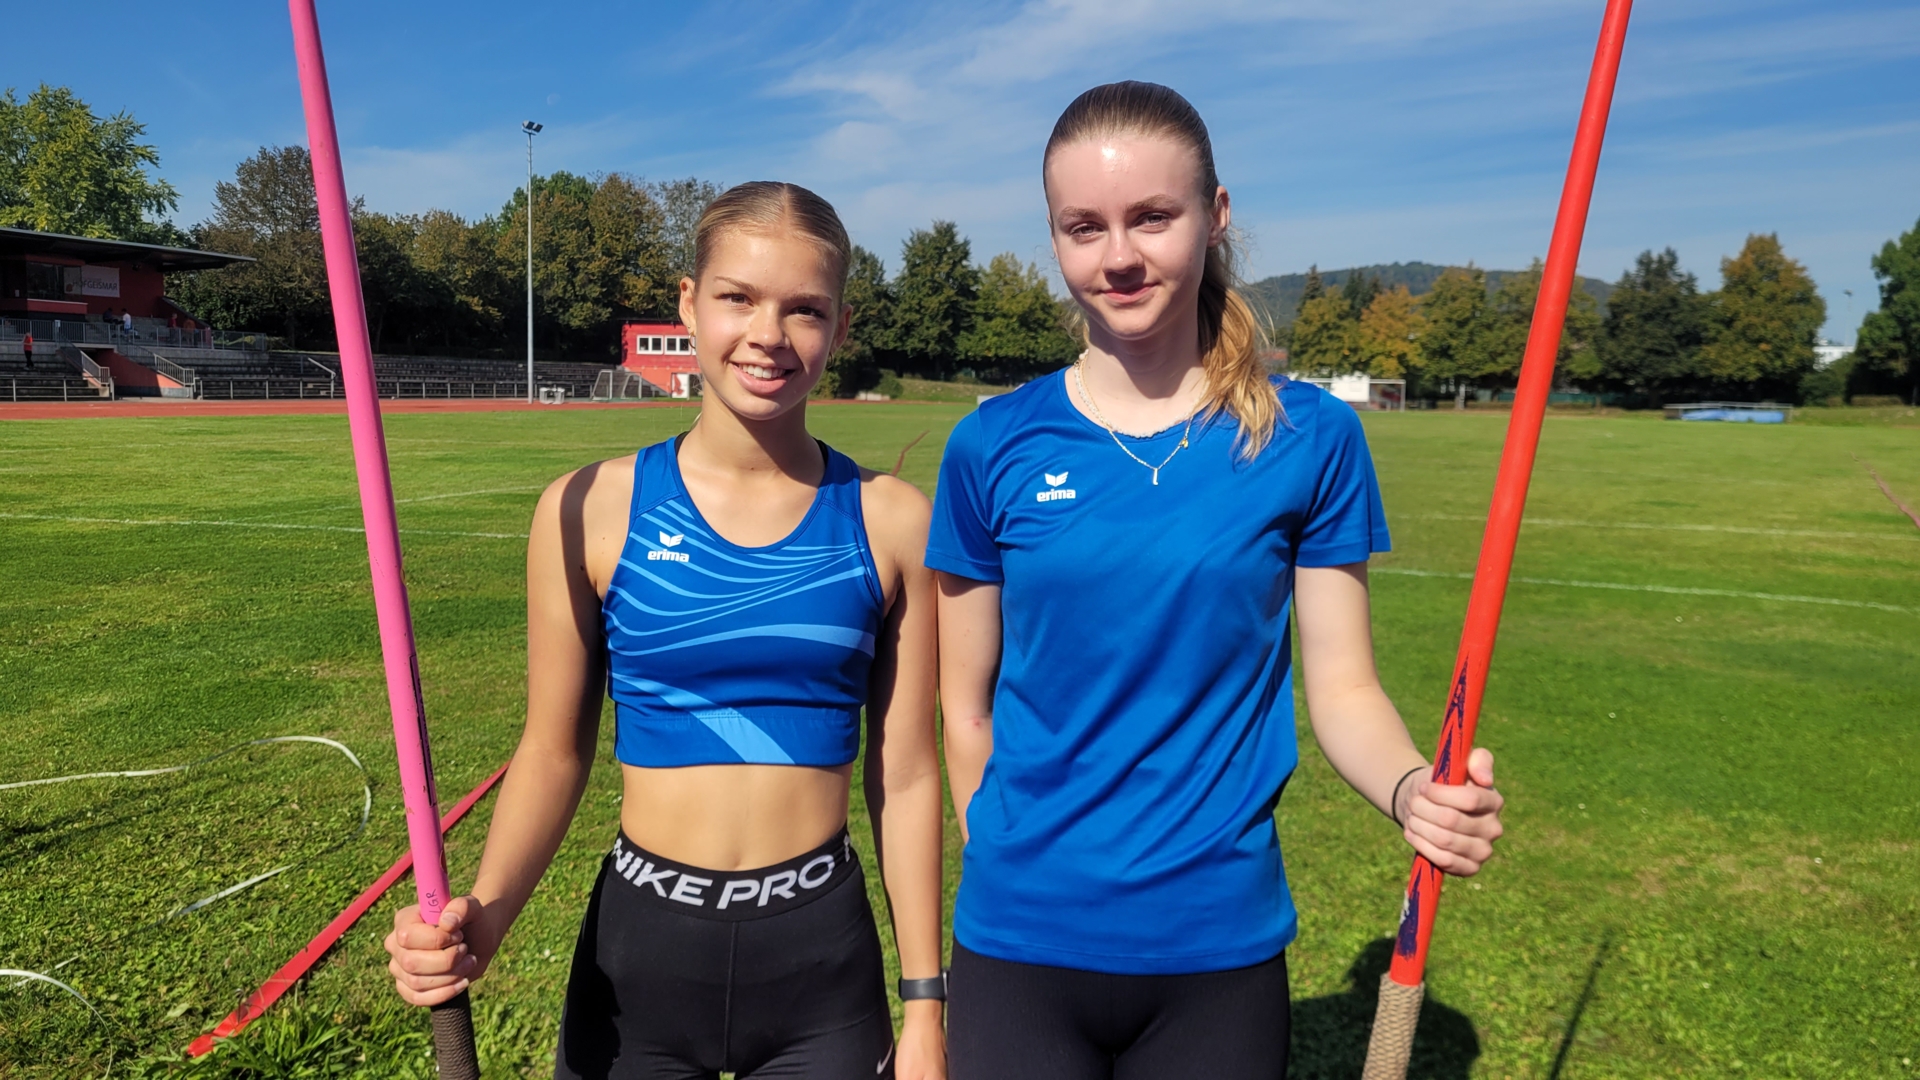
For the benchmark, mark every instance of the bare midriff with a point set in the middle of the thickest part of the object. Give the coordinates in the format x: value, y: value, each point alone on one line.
x: 733, y: 817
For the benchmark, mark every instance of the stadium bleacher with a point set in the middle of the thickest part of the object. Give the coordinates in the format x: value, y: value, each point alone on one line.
x: 51, y: 378
x: 234, y: 375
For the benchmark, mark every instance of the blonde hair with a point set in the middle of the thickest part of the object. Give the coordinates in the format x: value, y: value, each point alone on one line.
x: 770, y: 206
x: 1237, y: 380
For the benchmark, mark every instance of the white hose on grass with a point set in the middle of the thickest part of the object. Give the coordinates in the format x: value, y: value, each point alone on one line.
x: 366, y: 812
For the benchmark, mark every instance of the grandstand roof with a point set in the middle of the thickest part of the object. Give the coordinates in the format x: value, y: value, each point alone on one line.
x: 19, y: 242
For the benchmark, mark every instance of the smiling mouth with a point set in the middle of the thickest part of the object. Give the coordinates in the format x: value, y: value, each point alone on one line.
x: 1125, y: 295
x: 764, y: 372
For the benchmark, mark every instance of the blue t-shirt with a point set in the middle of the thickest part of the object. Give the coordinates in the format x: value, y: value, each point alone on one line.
x: 1143, y: 719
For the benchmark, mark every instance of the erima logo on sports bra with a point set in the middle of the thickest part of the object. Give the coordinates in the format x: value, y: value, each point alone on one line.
x: 698, y: 891
x: 671, y: 540
x: 1054, y: 491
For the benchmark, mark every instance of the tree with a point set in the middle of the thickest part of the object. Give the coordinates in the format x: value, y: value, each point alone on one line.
x: 1389, y: 332
x: 681, y: 204
x: 267, y: 212
x: 1315, y: 287
x: 1358, y: 292
x: 1889, y: 342
x: 460, y: 257
x: 933, y: 297
x: 1017, y: 327
x: 598, y: 258
x: 1762, y: 322
x: 1325, y: 338
x: 64, y: 170
x: 1656, y: 322
x: 856, y: 366
x: 1510, y: 321
x: 1457, y: 347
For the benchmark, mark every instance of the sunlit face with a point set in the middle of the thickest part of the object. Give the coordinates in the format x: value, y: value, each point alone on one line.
x: 765, y: 316
x: 1131, y: 231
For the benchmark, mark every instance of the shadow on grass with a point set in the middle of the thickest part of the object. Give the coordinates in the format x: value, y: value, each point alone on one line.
x: 1580, y: 1007
x: 1330, y: 1033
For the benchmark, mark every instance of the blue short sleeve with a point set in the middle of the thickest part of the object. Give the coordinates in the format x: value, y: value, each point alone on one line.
x: 1347, y: 521
x: 960, y: 540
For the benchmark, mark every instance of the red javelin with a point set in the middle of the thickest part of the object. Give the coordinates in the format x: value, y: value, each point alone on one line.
x: 282, y: 981
x: 1392, y: 1040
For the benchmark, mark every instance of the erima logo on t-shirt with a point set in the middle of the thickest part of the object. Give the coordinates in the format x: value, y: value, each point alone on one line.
x: 1054, y: 491
x: 671, y: 540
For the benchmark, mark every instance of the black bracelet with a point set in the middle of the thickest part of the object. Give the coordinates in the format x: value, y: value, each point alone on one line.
x: 934, y: 989
x: 1393, y: 805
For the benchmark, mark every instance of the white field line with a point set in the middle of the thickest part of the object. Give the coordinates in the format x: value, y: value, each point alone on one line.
x: 1674, y: 590
x: 1744, y: 530
x: 251, y: 525
x: 523, y: 489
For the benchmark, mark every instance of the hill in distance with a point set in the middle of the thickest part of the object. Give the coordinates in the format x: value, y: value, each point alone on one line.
x: 1278, y: 298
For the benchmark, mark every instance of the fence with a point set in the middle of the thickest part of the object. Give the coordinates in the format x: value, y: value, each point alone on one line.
x: 49, y: 388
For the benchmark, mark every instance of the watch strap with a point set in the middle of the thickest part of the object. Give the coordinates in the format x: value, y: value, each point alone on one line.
x: 934, y: 989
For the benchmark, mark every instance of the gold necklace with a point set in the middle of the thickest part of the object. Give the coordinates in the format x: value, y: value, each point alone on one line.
x: 1097, y: 415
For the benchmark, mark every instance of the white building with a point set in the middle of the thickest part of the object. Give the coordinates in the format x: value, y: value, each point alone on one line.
x: 1826, y: 352
x: 1363, y: 391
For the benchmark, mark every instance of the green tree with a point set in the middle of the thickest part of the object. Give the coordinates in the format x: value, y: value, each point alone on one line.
x: 459, y: 256
x: 598, y: 257
x: 933, y: 298
x: 1017, y: 329
x: 856, y: 365
x: 267, y: 212
x: 1888, y: 346
x: 681, y: 204
x: 1655, y: 324
x: 64, y: 170
x: 1510, y: 321
x: 1762, y: 322
x: 1326, y: 338
x: 1315, y: 287
x: 1458, y: 344
x: 1358, y: 292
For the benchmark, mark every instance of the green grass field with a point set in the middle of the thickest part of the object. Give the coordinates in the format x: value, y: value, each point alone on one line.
x: 1710, y: 865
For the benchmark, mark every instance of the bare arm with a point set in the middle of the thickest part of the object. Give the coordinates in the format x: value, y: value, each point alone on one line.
x: 566, y: 678
x: 969, y: 668
x: 1362, y: 734
x: 902, y: 778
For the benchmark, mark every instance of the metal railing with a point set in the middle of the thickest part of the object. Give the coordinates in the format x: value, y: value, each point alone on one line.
x: 43, y: 388
x: 333, y: 377
x: 100, y: 377
x: 185, y: 376
x: 146, y: 331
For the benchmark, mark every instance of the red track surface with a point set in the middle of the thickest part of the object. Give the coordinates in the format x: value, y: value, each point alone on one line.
x: 145, y: 407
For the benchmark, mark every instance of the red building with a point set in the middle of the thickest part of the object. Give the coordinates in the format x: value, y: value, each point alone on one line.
x: 662, y: 354
x: 107, y: 300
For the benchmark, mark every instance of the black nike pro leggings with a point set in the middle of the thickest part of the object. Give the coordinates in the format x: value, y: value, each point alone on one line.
x: 683, y: 973
x: 1010, y: 1021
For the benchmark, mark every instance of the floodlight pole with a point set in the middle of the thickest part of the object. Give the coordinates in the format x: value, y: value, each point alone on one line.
x: 531, y: 129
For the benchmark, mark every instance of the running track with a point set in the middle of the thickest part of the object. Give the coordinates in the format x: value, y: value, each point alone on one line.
x: 147, y: 407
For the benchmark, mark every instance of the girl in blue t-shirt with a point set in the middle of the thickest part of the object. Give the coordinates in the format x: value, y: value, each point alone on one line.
x: 1119, y: 545
x: 743, y: 593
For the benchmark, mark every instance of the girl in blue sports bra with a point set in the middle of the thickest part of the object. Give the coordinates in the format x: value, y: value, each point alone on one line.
x: 744, y: 593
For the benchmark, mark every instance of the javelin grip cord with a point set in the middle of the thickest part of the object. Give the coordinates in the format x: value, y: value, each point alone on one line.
x: 1392, y: 1041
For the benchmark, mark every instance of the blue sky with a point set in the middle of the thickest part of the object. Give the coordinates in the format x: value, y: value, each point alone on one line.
x: 1349, y: 133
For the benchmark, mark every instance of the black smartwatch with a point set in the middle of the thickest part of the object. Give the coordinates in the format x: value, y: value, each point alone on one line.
x: 934, y: 989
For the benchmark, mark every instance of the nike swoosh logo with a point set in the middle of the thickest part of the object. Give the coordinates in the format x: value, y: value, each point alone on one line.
x: 882, y: 1067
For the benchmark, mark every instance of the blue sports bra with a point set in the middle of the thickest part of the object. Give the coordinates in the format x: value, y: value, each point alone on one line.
x: 721, y: 654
